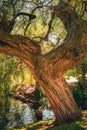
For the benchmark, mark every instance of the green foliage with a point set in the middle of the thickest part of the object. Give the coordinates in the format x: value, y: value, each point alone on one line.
x: 82, y: 68
x: 58, y: 29
x: 78, y: 71
x: 77, y: 96
x: 12, y: 72
x: 39, y: 26
x: 44, y: 101
x: 49, y: 125
x: 79, y: 91
x: 73, y: 126
x: 37, y: 29
x: 5, y: 72
x: 41, y: 91
x: 71, y: 72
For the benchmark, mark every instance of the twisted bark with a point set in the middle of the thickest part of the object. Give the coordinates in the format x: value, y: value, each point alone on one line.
x: 48, y: 69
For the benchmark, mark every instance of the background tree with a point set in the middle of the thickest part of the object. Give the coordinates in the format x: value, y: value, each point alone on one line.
x: 48, y: 68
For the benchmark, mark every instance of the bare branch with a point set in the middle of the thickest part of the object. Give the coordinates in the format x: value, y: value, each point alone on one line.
x: 84, y: 7
x: 14, y: 10
x: 41, y: 6
x: 26, y: 28
x: 3, y: 19
x: 31, y: 16
x: 50, y: 25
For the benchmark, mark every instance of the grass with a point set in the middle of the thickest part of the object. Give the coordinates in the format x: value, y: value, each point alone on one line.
x: 48, y: 125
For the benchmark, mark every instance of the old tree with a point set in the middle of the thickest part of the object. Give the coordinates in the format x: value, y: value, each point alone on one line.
x: 47, y: 68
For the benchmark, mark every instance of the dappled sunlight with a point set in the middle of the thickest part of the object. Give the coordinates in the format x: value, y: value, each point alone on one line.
x: 50, y: 125
x: 39, y: 41
x: 72, y: 80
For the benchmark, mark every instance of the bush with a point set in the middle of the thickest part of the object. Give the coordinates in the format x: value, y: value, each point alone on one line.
x: 44, y: 102
x: 77, y: 96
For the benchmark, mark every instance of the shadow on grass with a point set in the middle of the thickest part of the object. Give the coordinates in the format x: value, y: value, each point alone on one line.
x: 72, y: 126
x: 49, y: 125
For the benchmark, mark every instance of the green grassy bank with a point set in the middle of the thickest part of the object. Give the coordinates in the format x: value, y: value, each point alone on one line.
x: 48, y: 125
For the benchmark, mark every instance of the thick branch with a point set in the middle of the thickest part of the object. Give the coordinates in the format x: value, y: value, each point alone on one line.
x: 71, y: 52
x: 19, y: 46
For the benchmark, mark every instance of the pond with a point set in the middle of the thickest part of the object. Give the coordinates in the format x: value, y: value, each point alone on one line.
x: 22, y: 114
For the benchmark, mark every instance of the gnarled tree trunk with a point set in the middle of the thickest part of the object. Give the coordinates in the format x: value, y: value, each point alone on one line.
x: 50, y: 77
x: 61, y: 98
x: 48, y: 69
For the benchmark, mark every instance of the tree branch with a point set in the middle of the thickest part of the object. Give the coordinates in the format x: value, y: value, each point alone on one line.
x: 41, y: 6
x: 31, y: 16
x: 71, y: 52
x: 19, y: 46
x: 12, y: 22
x: 50, y: 25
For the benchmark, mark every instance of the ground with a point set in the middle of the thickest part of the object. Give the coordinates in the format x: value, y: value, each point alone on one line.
x: 48, y: 125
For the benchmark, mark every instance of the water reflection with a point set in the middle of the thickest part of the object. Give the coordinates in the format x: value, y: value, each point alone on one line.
x: 47, y: 114
x: 21, y: 113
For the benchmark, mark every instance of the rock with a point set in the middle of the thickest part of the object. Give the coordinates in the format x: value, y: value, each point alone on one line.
x: 28, y: 94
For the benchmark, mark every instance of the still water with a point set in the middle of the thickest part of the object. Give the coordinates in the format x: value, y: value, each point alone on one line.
x: 21, y: 113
